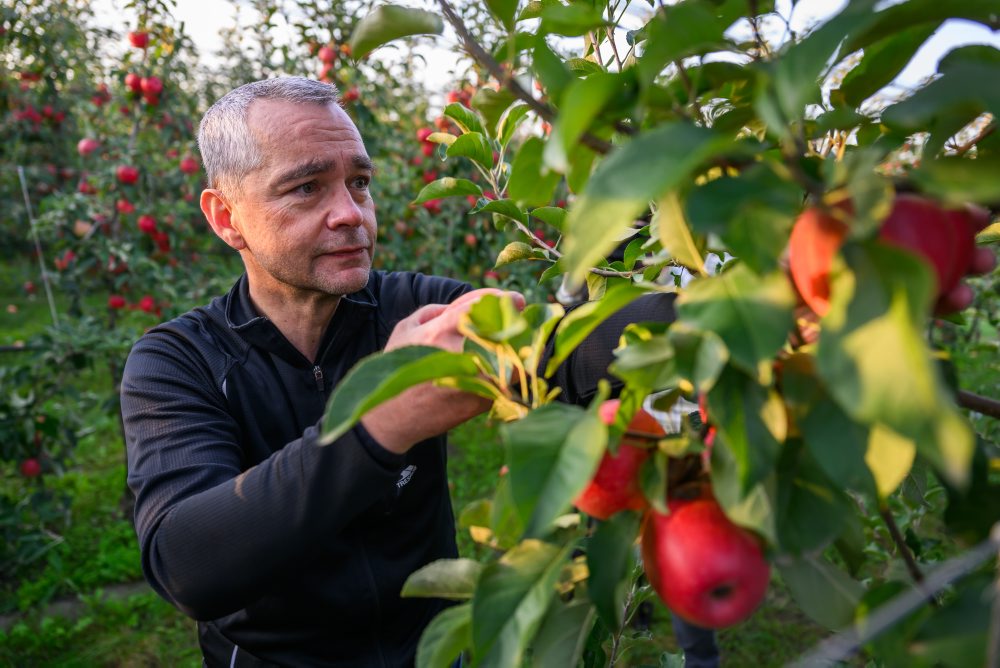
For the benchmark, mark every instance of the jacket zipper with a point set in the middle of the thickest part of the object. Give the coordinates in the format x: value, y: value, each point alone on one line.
x: 318, y: 375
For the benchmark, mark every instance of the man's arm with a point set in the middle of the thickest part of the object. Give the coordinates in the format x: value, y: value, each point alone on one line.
x: 213, y: 535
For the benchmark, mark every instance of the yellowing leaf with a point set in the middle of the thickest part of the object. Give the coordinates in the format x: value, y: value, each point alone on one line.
x: 675, y: 233
x: 889, y: 457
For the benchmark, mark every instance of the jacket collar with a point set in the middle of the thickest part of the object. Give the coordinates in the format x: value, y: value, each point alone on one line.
x: 258, y: 330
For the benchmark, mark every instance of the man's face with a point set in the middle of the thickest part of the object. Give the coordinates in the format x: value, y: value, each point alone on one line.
x: 307, y: 217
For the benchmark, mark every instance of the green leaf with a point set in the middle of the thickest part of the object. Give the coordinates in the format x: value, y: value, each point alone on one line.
x: 551, y: 215
x: 751, y: 314
x: 837, y: 443
x: 562, y: 637
x: 511, y: 600
x: 504, y: 11
x: 873, y: 358
x: 959, y: 180
x: 493, y: 106
x: 699, y: 357
x: 445, y: 578
x: 752, y: 213
x: 751, y: 423
x: 582, y: 101
x: 445, y: 637
x: 474, y: 146
x: 504, y: 207
x: 811, y: 510
x: 904, y: 15
x: 883, y: 61
x: 514, y: 252
x: 610, y: 559
x: 508, y: 122
x: 646, y: 365
x: 550, y: 70
x: 531, y: 183
x: 795, y: 77
x: 680, y: 30
x: 570, y: 20
x: 467, y: 119
x: 495, y: 318
x: 583, y: 320
x: 449, y: 186
x: 675, y: 234
x: 390, y: 22
x: 823, y: 591
x: 618, y: 192
x: 381, y: 376
x: 947, y: 104
x: 554, y: 452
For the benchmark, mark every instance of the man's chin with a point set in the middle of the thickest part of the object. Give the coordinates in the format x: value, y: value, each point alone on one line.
x: 347, y: 281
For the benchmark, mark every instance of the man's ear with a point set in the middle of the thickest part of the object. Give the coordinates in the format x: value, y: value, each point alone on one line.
x: 218, y: 213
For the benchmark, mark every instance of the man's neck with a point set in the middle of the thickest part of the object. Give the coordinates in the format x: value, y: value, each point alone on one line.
x: 301, y: 317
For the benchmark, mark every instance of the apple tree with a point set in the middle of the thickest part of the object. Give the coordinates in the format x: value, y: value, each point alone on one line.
x: 816, y: 232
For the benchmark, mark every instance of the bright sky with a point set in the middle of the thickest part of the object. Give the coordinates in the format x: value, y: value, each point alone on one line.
x: 204, y: 18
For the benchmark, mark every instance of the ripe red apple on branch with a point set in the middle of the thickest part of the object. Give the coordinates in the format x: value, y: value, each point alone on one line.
x: 705, y: 568
x: 615, y: 485
x: 942, y: 237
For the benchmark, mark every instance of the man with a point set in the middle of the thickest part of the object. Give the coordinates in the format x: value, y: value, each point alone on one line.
x: 287, y: 552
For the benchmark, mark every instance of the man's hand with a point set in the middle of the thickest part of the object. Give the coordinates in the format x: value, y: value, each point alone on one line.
x: 424, y: 411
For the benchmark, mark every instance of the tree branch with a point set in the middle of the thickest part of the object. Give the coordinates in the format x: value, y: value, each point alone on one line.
x: 980, y: 404
x: 904, y: 549
x: 546, y: 112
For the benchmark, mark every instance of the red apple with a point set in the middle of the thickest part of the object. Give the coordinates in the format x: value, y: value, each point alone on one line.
x: 470, y: 240
x: 146, y: 224
x: 116, y: 302
x: 708, y: 571
x: 151, y: 85
x: 918, y: 224
x: 352, y: 94
x: 139, y: 39
x: 134, y: 82
x: 327, y: 54
x: 615, y: 485
x: 127, y: 174
x: 189, y: 165
x: 423, y: 134
x: 87, y: 145
x: 30, y: 468
x: 429, y: 176
x: 147, y: 304
x: 124, y: 206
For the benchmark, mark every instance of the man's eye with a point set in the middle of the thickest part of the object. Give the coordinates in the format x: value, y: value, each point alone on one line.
x: 307, y: 188
x: 362, y: 182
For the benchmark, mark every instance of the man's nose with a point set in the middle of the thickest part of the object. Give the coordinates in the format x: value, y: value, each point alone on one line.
x: 344, y: 209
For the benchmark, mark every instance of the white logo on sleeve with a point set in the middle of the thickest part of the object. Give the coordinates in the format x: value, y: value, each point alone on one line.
x: 405, y: 475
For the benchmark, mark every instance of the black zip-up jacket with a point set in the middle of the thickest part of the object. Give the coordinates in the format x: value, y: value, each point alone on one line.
x: 287, y: 552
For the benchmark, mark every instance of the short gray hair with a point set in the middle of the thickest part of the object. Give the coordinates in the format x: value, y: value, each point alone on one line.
x: 228, y: 150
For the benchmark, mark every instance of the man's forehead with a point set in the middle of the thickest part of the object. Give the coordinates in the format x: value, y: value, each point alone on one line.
x: 278, y: 114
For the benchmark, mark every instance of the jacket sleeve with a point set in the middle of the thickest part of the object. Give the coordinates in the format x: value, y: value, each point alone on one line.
x: 213, y: 536
x: 588, y: 363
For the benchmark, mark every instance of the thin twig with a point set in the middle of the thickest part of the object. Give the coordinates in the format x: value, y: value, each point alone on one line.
x: 987, y: 130
x: 544, y: 111
x: 978, y: 403
x: 900, y: 541
x: 692, y: 94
